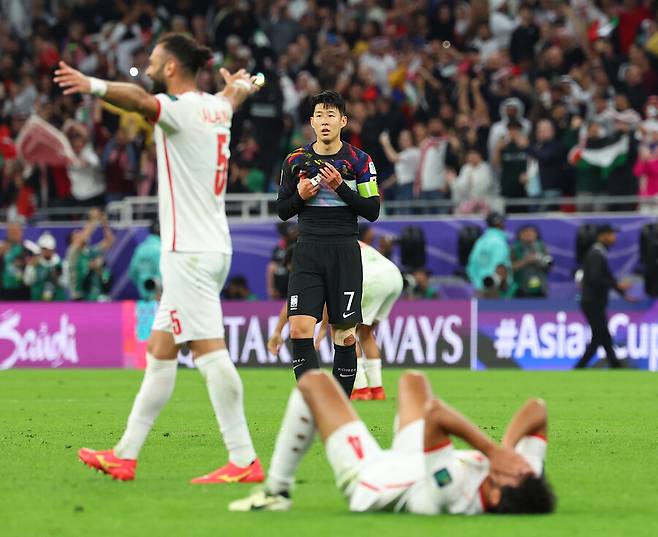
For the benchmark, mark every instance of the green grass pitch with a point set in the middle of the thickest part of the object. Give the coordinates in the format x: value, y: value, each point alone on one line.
x: 603, y: 457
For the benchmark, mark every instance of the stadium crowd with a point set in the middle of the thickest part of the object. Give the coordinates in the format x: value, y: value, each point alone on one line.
x: 474, y: 102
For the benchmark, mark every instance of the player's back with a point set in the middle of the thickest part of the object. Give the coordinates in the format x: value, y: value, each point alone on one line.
x: 193, y: 133
x: 374, y: 263
x: 404, y: 481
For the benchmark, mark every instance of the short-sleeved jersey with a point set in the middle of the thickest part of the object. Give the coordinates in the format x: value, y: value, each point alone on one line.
x: 446, y: 481
x: 326, y: 214
x: 192, y: 137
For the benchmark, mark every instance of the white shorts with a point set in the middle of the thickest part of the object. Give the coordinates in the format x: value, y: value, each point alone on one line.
x: 348, y: 449
x: 379, y: 294
x: 191, y: 282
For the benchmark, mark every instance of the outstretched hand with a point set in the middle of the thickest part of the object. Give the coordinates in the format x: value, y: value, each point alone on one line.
x: 71, y: 80
x: 243, y: 75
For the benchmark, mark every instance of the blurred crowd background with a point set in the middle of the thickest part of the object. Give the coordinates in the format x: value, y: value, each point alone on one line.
x: 474, y: 102
x: 464, y: 105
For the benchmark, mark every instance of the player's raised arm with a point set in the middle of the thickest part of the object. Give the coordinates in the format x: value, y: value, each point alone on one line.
x: 441, y: 421
x: 239, y: 86
x: 127, y: 96
x: 365, y: 201
x: 531, y: 418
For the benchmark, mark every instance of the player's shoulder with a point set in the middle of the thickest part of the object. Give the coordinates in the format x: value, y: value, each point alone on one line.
x: 297, y: 154
x: 355, y: 154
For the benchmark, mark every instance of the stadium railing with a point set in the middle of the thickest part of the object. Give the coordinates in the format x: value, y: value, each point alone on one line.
x: 141, y: 210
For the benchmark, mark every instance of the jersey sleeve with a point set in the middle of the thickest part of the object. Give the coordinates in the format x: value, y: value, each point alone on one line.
x: 171, y: 112
x: 533, y: 449
x: 366, y: 181
x: 289, y: 202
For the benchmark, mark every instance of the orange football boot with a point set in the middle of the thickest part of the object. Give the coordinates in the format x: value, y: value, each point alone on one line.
x: 230, y: 473
x: 361, y: 394
x: 108, y: 463
x: 378, y: 393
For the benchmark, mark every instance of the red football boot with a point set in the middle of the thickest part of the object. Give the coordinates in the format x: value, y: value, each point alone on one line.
x: 231, y: 473
x: 378, y: 393
x: 361, y: 394
x: 108, y: 463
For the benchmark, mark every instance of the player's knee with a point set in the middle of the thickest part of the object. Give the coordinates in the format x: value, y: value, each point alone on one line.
x: 345, y: 337
x: 301, y: 330
x: 413, y: 380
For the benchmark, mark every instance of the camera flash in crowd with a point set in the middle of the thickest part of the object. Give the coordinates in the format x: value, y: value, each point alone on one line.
x: 133, y: 71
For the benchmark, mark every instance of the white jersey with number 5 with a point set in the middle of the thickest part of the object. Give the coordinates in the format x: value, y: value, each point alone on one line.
x: 192, y: 136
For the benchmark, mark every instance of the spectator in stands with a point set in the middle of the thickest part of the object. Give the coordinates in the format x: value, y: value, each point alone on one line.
x: 87, y: 183
x: 237, y: 288
x: 524, y: 38
x: 14, y: 258
x: 366, y: 234
x: 489, y: 266
x: 144, y: 269
x: 530, y: 263
x: 431, y: 183
x: 405, y: 163
x: 511, y: 110
x: 83, y: 258
x: 550, y: 156
x: 475, y: 190
x: 511, y: 158
x: 120, y: 162
x: 646, y: 166
x: 44, y: 274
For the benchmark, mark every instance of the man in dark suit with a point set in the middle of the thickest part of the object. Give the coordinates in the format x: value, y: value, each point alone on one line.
x: 596, y: 284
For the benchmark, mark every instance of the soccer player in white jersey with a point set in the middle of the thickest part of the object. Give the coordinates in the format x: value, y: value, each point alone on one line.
x: 422, y: 472
x: 192, y: 135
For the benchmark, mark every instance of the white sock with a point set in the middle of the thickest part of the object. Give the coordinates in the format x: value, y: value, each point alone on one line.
x: 361, y: 380
x: 225, y: 390
x: 374, y: 372
x: 295, y: 437
x: 157, y: 387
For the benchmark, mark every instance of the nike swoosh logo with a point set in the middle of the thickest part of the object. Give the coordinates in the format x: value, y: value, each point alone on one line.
x: 235, y: 478
x: 346, y: 315
x: 345, y: 376
x: 296, y: 366
x: 106, y: 464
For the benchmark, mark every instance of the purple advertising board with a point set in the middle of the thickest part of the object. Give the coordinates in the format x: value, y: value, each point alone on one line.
x: 60, y: 335
x: 524, y: 334
x: 546, y: 334
x: 428, y: 333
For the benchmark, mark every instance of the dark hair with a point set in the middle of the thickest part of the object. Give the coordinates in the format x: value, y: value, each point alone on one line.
x: 290, y: 252
x: 533, y: 496
x: 330, y: 99
x: 187, y: 51
x: 239, y: 280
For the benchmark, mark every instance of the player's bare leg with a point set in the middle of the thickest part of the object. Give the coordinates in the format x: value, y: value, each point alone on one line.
x: 154, y: 393
x: 304, y: 357
x: 414, y: 393
x: 226, y: 395
x: 344, y: 369
x: 372, y: 362
x: 361, y: 391
x: 317, y: 396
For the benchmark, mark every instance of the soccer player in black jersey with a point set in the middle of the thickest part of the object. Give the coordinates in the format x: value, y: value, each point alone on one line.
x: 327, y: 184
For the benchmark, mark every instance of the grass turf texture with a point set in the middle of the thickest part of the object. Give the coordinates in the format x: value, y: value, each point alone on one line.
x: 603, y: 456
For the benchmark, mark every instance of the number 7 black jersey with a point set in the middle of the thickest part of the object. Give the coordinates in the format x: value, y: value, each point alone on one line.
x: 326, y: 213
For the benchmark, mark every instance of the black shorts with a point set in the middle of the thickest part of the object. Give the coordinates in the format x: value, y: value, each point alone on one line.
x: 328, y: 273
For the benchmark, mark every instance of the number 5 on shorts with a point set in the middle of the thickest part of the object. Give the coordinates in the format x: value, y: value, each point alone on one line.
x: 175, y: 323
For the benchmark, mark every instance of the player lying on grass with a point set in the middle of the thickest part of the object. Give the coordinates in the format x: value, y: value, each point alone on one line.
x: 422, y: 473
x: 382, y: 285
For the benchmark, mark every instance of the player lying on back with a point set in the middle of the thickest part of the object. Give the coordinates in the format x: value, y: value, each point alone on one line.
x: 382, y: 285
x: 422, y: 472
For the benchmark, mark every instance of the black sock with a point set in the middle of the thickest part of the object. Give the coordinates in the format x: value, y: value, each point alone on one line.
x: 304, y: 357
x: 345, y: 367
